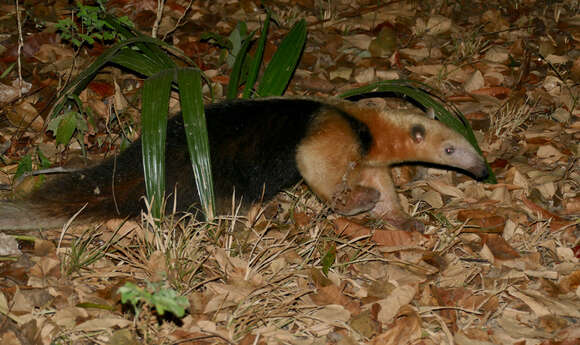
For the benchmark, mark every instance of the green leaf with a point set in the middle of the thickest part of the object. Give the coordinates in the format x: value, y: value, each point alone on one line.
x: 328, y: 259
x: 189, y: 82
x: 236, y: 38
x: 147, y: 45
x: 236, y: 73
x: 7, y: 70
x: 127, y: 291
x: 66, y: 128
x: 150, y: 47
x: 281, y: 68
x: 156, y: 91
x: 24, y: 166
x: 167, y: 299
x: 217, y: 39
x: 44, y: 161
x: 257, y: 61
x: 89, y: 305
x: 161, y: 299
x: 137, y: 61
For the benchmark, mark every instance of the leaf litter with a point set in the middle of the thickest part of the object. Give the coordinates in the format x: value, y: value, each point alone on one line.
x: 498, y: 264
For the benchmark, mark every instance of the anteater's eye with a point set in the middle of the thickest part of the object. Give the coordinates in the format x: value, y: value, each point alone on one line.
x: 449, y: 150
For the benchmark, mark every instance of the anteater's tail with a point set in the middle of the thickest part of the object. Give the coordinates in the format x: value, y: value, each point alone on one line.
x: 110, y: 189
x: 20, y: 215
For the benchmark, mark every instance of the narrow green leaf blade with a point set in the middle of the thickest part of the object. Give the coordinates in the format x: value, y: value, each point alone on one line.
x: 151, y: 50
x: 137, y: 61
x: 281, y: 68
x: 84, y: 78
x: 236, y: 73
x: 257, y: 62
x: 156, y: 91
x: 189, y: 82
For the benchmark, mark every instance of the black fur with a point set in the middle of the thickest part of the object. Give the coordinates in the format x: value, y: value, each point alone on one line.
x: 361, y: 131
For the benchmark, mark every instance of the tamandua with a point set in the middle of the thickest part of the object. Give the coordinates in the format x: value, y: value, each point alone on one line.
x: 341, y: 149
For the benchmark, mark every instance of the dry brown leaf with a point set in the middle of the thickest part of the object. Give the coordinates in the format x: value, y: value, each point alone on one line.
x: 421, y: 53
x: 493, y: 78
x: 575, y: 70
x: 474, y: 82
x: 543, y: 305
x: 438, y: 25
x: 397, y: 238
x: 499, y: 247
x: 570, y: 282
x: 537, y: 209
x: 365, y: 75
x: 572, y: 205
x: 8, y: 246
x: 446, y: 189
x: 69, y: 317
x: 496, y: 91
x: 557, y: 59
x: 123, y: 337
x: 301, y: 218
x: 25, y: 115
x: 549, y: 153
x: 364, y: 324
x: 497, y: 54
x: 332, y: 314
x: 432, y: 198
x: 218, y: 302
x: 157, y: 267
x: 8, y: 93
x: 332, y: 294
x: 103, y: 324
x: 482, y: 219
x: 390, y: 306
x: 359, y: 41
x: 341, y: 72
x: 472, y: 336
x: 405, y: 329
x: 9, y: 338
x: 450, y: 72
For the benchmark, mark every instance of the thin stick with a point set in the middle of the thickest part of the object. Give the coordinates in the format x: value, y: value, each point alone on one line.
x: 160, y: 4
x: 20, y: 46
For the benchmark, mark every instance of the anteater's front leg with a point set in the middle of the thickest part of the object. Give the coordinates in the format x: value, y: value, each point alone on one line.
x: 325, y: 159
x: 388, y: 206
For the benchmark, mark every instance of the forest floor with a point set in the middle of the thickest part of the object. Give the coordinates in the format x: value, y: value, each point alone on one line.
x: 497, y: 263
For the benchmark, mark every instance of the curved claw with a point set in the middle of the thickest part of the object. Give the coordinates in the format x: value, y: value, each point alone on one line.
x: 356, y: 200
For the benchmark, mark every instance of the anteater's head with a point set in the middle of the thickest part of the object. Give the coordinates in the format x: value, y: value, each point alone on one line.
x: 439, y: 144
x: 400, y: 137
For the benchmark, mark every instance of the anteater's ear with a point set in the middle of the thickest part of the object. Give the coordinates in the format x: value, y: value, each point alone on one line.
x: 430, y: 113
x: 418, y: 133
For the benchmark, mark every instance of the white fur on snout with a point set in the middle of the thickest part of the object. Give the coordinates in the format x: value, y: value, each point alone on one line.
x: 465, y: 157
